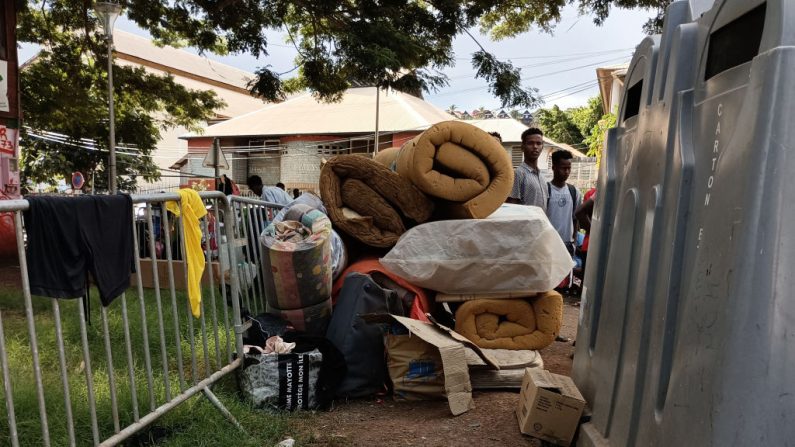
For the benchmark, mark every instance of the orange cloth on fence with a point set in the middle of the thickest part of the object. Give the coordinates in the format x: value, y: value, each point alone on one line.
x: 192, y: 210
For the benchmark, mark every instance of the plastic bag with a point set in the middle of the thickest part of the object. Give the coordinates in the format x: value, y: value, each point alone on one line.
x: 281, y: 381
x: 296, y: 261
x: 514, y: 249
x: 308, y: 201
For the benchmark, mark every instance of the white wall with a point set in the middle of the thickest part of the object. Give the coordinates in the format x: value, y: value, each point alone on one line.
x: 268, y: 166
x: 300, y: 164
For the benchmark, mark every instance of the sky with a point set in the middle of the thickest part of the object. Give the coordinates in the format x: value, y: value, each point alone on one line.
x: 561, y: 65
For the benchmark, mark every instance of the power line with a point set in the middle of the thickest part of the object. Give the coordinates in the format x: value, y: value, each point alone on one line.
x: 551, y: 96
x: 538, y: 76
x: 552, y: 56
x: 549, y: 63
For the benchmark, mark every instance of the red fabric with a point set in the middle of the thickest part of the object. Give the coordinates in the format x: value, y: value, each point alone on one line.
x: 585, y: 242
x: 421, y: 304
x: 211, y: 230
x: 8, y: 235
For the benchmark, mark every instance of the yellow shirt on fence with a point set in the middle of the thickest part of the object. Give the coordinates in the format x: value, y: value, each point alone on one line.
x: 193, y: 209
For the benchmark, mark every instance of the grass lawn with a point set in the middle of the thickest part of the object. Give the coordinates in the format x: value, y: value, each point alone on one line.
x: 195, y: 422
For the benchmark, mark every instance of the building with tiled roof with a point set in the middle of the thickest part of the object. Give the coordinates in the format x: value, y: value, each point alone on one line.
x: 286, y: 142
x: 194, y: 72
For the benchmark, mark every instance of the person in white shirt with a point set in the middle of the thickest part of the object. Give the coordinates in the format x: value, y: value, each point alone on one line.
x: 563, y: 199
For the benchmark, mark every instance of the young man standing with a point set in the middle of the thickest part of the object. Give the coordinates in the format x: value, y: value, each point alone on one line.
x: 529, y: 186
x: 563, y: 199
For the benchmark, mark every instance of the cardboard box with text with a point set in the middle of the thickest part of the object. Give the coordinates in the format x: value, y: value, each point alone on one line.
x: 550, y: 406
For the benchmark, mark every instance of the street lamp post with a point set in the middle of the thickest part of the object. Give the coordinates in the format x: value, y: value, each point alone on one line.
x: 108, y: 12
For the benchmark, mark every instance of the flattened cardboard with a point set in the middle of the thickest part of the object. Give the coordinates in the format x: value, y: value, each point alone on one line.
x: 484, y: 354
x: 506, y: 359
x: 511, y: 373
x: 550, y: 406
x: 452, y: 352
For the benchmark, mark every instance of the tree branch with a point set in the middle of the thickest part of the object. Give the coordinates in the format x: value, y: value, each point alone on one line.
x: 475, y: 40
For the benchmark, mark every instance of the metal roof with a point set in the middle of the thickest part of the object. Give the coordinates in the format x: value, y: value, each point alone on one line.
x: 353, y: 114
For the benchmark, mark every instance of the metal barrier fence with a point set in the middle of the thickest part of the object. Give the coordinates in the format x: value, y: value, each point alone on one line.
x: 148, y: 355
x: 160, y: 187
x: 253, y: 216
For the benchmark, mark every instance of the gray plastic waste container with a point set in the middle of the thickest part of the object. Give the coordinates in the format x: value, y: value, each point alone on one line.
x: 687, y: 332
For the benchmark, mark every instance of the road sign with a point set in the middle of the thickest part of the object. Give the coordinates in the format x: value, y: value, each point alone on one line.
x: 78, y: 180
x: 215, y: 159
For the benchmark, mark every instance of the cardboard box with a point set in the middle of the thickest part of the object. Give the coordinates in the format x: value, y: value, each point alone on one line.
x: 147, y: 277
x: 550, y: 406
x: 428, y: 362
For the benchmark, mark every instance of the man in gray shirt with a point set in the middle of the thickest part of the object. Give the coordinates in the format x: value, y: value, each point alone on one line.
x: 529, y: 187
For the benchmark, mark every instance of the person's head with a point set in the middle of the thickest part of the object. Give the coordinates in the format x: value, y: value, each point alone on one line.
x: 561, y: 165
x: 296, y: 193
x: 532, y: 144
x: 280, y: 185
x: 496, y: 135
x: 254, y: 183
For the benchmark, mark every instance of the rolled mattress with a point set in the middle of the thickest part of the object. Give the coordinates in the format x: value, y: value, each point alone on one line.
x: 511, y: 324
x: 296, y: 262
x: 467, y: 169
x: 369, y: 202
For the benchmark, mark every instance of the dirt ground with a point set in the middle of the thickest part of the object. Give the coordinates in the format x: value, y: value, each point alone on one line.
x: 390, y: 423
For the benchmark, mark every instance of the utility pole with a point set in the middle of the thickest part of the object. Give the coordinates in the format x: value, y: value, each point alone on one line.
x: 217, y: 150
x: 108, y: 12
x: 377, y: 104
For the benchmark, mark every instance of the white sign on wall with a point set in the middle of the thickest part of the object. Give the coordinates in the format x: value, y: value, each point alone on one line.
x: 4, y: 105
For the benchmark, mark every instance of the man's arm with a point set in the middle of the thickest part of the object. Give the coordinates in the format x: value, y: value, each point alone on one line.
x: 583, y: 214
x: 516, y: 191
x: 577, y: 204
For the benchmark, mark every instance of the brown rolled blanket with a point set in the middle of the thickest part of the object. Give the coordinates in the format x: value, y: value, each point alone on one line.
x: 511, y: 324
x: 460, y: 164
x: 387, y: 156
x: 370, y: 202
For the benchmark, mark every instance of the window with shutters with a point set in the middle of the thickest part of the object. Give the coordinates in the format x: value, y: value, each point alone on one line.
x: 332, y: 149
x: 362, y: 145
x: 516, y: 155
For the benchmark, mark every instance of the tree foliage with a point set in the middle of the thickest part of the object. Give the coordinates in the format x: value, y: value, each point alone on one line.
x: 64, y: 97
x: 596, y: 138
x: 392, y: 43
x: 587, y: 116
x: 403, y: 44
x: 575, y: 126
x: 558, y: 125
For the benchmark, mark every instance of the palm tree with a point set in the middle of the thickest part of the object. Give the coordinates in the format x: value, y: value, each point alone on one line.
x: 451, y: 110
